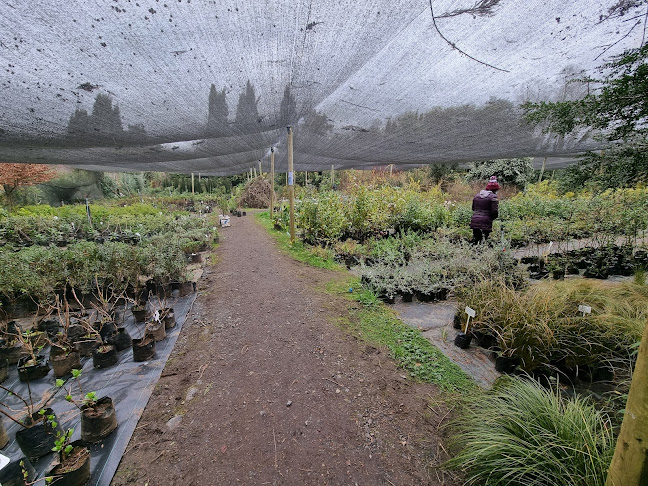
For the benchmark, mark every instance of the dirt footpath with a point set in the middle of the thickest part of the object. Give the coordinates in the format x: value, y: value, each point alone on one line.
x: 264, y: 388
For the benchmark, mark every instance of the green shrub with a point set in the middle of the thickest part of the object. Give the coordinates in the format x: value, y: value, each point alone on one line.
x: 521, y: 434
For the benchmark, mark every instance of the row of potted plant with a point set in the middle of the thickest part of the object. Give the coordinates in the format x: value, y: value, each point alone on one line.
x: 435, y: 267
x: 39, y: 273
x: 592, y: 262
x: 72, y: 332
x: 566, y: 326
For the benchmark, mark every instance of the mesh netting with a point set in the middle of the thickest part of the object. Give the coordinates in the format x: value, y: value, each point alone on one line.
x: 209, y: 86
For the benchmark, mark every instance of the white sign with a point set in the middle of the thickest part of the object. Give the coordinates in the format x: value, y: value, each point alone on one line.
x: 585, y: 309
x: 290, y: 179
x: 470, y: 312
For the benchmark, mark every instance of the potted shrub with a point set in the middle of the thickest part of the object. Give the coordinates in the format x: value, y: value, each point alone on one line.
x: 98, y: 417
x: 72, y: 467
x: 38, y: 429
x: 104, y: 356
x: 32, y: 365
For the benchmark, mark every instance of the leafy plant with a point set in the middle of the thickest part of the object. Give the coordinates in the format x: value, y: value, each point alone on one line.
x: 523, y: 434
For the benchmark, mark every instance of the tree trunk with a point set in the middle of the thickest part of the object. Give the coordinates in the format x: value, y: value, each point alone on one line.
x: 630, y: 462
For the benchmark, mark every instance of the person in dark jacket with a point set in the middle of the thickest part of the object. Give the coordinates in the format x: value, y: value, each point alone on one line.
x: 485, y: 208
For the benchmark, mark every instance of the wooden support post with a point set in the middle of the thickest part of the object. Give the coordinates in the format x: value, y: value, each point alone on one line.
x: 391, y: 168
x: 291, y: 184
x: 255, y: 174
x: 272, y: 176
x: 260, y: 172
x: 192, y: 183
x: 629, y: 465
x: 332, y: 176
x: 305, y: 178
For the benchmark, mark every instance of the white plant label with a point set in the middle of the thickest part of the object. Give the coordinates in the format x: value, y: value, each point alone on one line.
x: 585, y: 309
x: 470, y: 312
x: 290, y: 179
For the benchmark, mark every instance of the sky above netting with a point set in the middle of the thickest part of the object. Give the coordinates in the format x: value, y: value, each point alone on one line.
x: 209, y: 86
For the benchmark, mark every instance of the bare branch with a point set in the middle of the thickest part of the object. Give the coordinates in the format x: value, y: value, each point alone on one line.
x: 482, y: 8
x: 454, y: 46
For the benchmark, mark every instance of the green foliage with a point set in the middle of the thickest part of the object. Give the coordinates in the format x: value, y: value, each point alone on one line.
x: 618, y: 108
x: 299, y: 250
x: 508, y: 171
x: 522, y: 434
x: 544, y: 328
x: 412, y: 352
x: 432, y: 264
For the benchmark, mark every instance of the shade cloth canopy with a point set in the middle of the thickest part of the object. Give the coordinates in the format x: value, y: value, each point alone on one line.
x: 209, y: 86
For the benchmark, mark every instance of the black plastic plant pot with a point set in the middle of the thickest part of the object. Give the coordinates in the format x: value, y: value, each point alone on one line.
x: 104, y: 356
x: 506, y: 364
x: 87, y: 345
x: 30, y: 370
x: 12, y: 474
x: 169, y: 318
x: 121, y: 340
x: 107, y: 330
x: 37, y: 440
x: 4, y: 371
x: 156, y: 329
x: 50, y: 326
x: 62, y: 364
x: 484, y: 340
x: 442, y: 293
x: 558, y: 274
x: 407, y: 296
x: 75, y: 471
x: 462, y: 340
x: 143, y: 349
x: 75, y: 332
x: 99, y: 421
x: 387, y: 298
x: 183, y: 288
x: 456, y: 321
x: 423, y: 297
x: 12, y: 352
x: 140, y: 313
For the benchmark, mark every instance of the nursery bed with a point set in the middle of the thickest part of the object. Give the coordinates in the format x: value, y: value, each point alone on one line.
x: 435, y: 322
x: 128, y: 383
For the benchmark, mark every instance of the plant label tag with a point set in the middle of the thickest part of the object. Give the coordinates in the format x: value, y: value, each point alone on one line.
x: 290, y: 179
x: 470, y: 312
x: 585, y: 309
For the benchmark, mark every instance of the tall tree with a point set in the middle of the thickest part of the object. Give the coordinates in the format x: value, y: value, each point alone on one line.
x: 217, y: 112
x: 619, y: 109
x: 105, y: 119
x: 288, y: 108
x: 13, y: 176
x: 247, y: 111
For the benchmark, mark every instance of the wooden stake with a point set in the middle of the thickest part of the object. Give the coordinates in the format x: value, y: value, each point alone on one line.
x: 272, y: 176
x: 192, y: 183
x: 544, y: 163
x: 260, y: 173
x: 332, y: 176
x: 305, y: 178
x: 291, y: 184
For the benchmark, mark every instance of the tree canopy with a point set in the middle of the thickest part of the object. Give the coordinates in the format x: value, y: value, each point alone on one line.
x: 619, y: 110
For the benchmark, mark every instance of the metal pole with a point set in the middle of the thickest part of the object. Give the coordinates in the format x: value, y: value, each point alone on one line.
x: 291, y: 185
x: 272, y: 176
